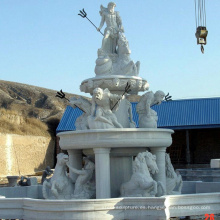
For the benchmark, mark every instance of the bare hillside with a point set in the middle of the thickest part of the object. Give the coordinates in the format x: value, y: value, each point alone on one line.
x: 31, y: 101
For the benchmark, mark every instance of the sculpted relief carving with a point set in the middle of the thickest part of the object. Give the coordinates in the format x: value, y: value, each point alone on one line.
x: 61, y: 186
x: 85, y: 182
x: 147, y: 116
x: 174, y: 180
x: 104, y: 104
x: 141, y: 183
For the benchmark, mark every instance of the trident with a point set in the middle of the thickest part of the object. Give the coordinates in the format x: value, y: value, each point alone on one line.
x: 83, y: 14
x: 62, y: 95
x: 167, y: 98
x: 127, y: 90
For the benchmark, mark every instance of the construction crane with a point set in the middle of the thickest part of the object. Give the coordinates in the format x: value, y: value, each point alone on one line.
x: 200, y: 16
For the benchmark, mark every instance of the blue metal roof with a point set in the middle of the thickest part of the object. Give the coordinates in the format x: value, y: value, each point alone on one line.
x: 176, y: 114
x: 67, y: 122
x: 189, y: 113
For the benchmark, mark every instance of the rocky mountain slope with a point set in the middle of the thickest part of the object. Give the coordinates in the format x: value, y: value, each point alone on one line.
x: 26, y: 101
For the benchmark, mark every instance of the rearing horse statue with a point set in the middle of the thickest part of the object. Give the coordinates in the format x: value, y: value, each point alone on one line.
x: 141, y: 183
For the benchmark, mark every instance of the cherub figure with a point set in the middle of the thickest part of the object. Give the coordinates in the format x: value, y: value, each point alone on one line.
x: 84, y: 185
x: 102, y: 110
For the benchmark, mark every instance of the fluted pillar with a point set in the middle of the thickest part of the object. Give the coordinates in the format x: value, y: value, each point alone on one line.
x: 75, y: 160
x: 160, y: 159
x: 102, y: 172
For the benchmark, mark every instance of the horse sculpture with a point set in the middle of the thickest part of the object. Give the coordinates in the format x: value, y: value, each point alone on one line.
x: 59, y: 186
x: 141, y: 183
x: 173, y: 180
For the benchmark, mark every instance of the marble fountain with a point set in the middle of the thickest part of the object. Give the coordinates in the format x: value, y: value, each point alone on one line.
x: 127, y: 173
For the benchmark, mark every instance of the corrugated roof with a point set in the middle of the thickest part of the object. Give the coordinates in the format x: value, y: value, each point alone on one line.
x: 189, y: 113
x: 176, y: 114
x: 67, y: 122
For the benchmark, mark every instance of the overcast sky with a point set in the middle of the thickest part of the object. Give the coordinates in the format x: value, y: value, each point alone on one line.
x: 45, y: 43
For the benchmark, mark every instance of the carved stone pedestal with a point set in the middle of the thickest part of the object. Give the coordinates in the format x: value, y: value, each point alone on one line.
x: 124, y: 144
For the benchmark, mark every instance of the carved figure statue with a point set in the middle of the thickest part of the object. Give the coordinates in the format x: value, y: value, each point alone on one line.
x: 114, y: 55
x: 85, y: 184
x: 81, y: 122
x: 174, y: 180
x: 59, y: 186
x: 101, y: 114
x: 47, y: 172
x: 147, y: 116
x: 141, y: 183
x: 114, y: 26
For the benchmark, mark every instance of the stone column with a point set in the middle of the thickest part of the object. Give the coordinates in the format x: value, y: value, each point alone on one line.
x: 75, y: 160
x: 160, y: 159
x: 102, y: 172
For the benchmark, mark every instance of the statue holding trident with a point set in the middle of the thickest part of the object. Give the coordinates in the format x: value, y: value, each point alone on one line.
x: 114, y: 54
x: 114, y: 26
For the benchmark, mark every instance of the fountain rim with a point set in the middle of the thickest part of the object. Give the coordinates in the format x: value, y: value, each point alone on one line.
x: 121, y: 130
x: 115, y: 138
x: 113, y: 77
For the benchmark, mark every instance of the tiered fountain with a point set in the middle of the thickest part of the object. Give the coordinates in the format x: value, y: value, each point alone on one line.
x: 109, y: 134
x: 127, y: 173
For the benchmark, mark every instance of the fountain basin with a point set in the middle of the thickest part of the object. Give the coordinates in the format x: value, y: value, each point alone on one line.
x: 162, y: 208
x: 115, y: 138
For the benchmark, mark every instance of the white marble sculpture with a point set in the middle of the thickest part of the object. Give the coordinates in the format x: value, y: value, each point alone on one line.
x: 147, y: 116
x: 59, y: 186
x: 85, y: 105
x: 103, y: 64
x: 174, y: 181
x: 124, y: 64
x: 114, y: 55
x: 85, y: 183
x: 132, y: 123
x: 141, y: 183
x: 114, y: 26
x: 102, y: 110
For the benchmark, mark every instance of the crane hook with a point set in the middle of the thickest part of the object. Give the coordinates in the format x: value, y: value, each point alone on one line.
x: 202, y: 49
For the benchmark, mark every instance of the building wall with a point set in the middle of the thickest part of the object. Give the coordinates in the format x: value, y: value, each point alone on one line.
x: 207, y: 145
x: 204, y: 145
x: 27, y: 154
x: 177, y: 150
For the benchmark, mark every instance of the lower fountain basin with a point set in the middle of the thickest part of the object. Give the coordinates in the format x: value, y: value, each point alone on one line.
x: 163, y: 208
